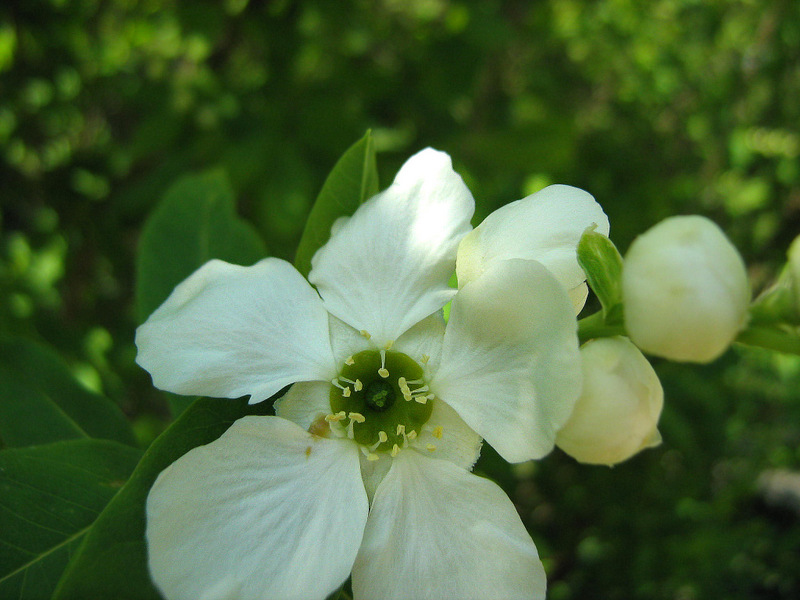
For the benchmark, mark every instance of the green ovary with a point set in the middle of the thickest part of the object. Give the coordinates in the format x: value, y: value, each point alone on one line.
x: 400, y: 398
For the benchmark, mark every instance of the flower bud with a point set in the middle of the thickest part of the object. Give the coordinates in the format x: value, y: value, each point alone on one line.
x: 617, y: 413
x: 685, y: 290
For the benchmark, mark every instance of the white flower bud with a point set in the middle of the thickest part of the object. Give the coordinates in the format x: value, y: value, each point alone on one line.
x: 617, y: 413
x: 685, y: 290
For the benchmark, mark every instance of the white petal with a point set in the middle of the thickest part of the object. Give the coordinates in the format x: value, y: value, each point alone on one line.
x: 387, y: 267
x: 436, y: 531
x: 266, y: 511
x: 346, y: 341
x: 545, y: 227
x: 577, y: 296
x: 510, y: 363
x: 455, y: 441
x: 305, y: 402
x: 228, y: 331
x: 424, y: 340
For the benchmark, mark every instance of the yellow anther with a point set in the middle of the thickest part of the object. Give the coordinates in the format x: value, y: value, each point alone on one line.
x: 382, y: 437
x: 395, y: 450
x: 357, y: 417
x: 437, y: 432
x: 349, y: 361
x: 346, y: 392
x: 401, y: 429
x: 421, y: 399
x: 425, y: 358
x: 431, y: 447
x: 388, y: 345
x: 335, y: 417
x: 413, y: 435
x: 365, y: 333
x: 373, y: 457
x: 358, y: 385
x: 383, y: 373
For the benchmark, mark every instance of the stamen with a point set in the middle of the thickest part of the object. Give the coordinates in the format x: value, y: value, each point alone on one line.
x: 383, y: 372
x: 437, y: 432
x: 425, y: 358
x: 349, y: 361
x: 333, y: 418
x: 413, y: 435
x: 344, y: 388
x: 421, y: 399
x: 401, y: 429
x: 382, y: 437
x: 365, y: 333
x: 431, y: 447
x: 401, y: 383
x: 370, y: 456
x: 388, y: 345
x: 357, y: 417
x: 395, y: 450
x: 358, y: 385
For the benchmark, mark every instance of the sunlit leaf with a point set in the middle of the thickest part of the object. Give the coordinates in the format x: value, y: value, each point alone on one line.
x: 49, y: 497
x: 353, y: 180
x: 111, y: 563
x: 195, y: 222
x: 41, y: 402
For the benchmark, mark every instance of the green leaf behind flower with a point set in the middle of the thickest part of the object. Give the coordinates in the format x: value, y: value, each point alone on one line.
x: 49, y: 497
x: 353, y: 180
x: 195, y: 222
x: 41, y: 402
x: 111, y: 563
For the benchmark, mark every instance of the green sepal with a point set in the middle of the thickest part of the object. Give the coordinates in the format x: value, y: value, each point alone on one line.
x: 353, y: 180
x: 602, y: 263
x: 41, y: 401
x: 51, y: 495
x: 779, y: 304
x: 111, y: 562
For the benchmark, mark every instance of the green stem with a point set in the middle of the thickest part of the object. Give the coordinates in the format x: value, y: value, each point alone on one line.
x: 594, y: 326
x: 771, y: 339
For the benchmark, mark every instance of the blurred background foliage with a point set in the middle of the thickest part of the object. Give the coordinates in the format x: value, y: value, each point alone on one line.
x: 657, y: 108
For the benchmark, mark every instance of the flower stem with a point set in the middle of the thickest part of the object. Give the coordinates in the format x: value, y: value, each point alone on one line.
x: 594, y: 326
x: 770, y: 338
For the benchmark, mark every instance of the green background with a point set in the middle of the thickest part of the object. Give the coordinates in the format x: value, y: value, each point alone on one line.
x: 656, y: 108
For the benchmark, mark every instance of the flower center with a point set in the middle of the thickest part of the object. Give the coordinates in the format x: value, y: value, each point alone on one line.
x: 380, y: 400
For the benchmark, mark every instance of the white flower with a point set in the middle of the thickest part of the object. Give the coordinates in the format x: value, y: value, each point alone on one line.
x: 617, y: 413
x: 546, y: 227
x: 685, y: 290
x: 365, y: 468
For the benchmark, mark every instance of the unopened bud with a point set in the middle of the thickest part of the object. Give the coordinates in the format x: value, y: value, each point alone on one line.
x: 685, y: 290
x: 617, y: 413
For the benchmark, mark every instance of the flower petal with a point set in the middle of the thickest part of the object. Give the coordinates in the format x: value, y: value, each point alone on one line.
x: 424, y: 340
x: 510, y: 363
x: 305, y: 402
x: 387, y: 267
x: 266, y: 511
x: 451, y: 438
x: 228, y: 331
x: 545, y: 227
x: 436, y: 531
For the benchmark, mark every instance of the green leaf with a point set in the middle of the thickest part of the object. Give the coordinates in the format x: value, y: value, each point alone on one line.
x: 353, y: 180
x: 41, y: 402
x: 111, y: 563
x: 195, y: 222
x: 49, y: 497
x: 602, y: 263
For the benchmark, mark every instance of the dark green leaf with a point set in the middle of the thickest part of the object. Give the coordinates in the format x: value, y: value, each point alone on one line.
x: 41, y: 402
x: 602, y: 263
x: 111, y: 563
x: 49, y: 497
x: 352, y: 181
x: 195, y: 222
